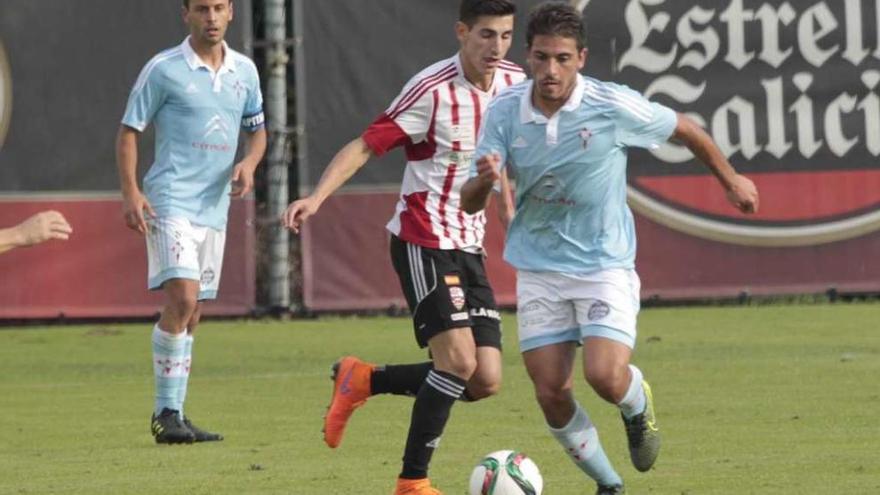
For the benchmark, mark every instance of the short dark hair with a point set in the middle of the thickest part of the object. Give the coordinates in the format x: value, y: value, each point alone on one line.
x: 556, y: 19
x: 186, y: 3
x: 470, y: 10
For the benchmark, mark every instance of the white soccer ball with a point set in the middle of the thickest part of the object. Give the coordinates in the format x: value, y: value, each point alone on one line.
x: 506, y: 472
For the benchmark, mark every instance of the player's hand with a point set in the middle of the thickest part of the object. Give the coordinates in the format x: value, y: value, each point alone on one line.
x: 242, y: 180
x: 134, y: 209
x: 488, y: 168
x: 298, y: 212
x: 44, y: 226
x: 743, y: 194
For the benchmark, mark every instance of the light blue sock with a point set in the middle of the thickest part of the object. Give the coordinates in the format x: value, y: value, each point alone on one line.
x: 168, y: 350
x: 187, y: 365
x: 634, y: 401
x: 581, y: 442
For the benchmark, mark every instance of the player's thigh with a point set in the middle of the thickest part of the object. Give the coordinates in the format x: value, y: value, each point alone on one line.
x: 480, y: 301
x: 543, y: 318
x: 551, y: 367
x: 431, y: 281
x: 172, y: 251
x: 607, y: 305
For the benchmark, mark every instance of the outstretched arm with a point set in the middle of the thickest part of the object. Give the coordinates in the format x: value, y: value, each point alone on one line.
x: 36, y: 229
x: 347, y: 161
x: 741, y: 191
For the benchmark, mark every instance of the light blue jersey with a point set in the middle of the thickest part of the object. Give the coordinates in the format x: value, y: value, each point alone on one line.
x: 197, y: 113
x: 570, y: 173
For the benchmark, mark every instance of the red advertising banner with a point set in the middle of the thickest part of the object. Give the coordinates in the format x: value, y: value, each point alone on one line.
x: 102, y: 270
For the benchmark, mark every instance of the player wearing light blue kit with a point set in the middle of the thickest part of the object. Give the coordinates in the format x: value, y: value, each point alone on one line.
x: 565, y: 137
x: 197, y: 96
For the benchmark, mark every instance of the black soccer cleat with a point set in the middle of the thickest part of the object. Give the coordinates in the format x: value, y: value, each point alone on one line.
x: 200, y: 434
x: 610, y: 490
x: 168, y: 428
x: 643, y: 435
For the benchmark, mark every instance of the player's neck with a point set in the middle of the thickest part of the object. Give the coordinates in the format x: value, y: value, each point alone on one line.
x: 548, y: 107
x: 211, y: 54
x: 481, y: 81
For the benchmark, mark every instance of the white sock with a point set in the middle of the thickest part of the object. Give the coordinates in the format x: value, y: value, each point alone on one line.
x: 581, y: 442
x: 634, y: 401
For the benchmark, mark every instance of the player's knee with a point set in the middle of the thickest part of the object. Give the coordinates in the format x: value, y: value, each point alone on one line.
x: 482, y: 389
x: 462, y: 366
x: 550, y: 397
x: 183, y: 307
x: 609, y: 382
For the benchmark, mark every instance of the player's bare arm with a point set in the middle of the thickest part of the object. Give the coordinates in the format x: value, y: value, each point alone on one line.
x: 345, y: 164
x: 36, y: 229
x: 243, y: 173
x: 475, y: 192
x: 741, y: 191
x: 504, y: 196
x: 134, y: 203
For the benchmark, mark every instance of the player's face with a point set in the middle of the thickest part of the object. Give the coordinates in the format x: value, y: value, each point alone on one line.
x: 208, y: 19
x: 485, y: 44
x: 555, y: 62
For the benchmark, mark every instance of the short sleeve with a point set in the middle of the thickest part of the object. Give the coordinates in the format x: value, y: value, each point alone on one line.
x: 640, y: 122
x: 406, y: 120
x: 145, y: 99
x: 253, y: 118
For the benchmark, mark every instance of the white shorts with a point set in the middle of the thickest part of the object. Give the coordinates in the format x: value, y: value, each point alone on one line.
x: 178, y: 249
x: 557, y: 307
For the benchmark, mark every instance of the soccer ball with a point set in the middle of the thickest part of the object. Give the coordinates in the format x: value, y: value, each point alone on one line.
x: 506, y: 472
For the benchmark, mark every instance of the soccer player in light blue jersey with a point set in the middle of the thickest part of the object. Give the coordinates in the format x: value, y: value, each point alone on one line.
x: 572, y: 239
x: 197, y: 95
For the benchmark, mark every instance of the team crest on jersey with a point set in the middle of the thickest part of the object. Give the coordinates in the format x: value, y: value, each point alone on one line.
x: 585, y: 135
x: 456, y: 295
x: 239, y: 89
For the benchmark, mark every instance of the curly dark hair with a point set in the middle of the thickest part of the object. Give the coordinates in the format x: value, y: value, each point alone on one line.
x: 556, y: 19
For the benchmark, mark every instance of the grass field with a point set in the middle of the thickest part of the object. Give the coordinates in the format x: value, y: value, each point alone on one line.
x: 768, y: 399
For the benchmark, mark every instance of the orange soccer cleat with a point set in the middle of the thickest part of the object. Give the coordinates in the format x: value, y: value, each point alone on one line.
x: 351, y: 388
x: 415, y: 487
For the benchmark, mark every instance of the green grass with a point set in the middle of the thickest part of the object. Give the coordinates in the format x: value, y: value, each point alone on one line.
x: 771, y: 399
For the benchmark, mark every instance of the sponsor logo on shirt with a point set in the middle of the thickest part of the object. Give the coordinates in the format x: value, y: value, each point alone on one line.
x: 216, y: 127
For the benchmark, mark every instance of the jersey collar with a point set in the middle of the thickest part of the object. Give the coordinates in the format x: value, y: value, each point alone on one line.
x: 195, y: 62
x: 498, y: 76
x: 528, y: 112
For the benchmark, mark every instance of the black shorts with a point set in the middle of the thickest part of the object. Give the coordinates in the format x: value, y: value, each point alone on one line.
x: 446, y: 289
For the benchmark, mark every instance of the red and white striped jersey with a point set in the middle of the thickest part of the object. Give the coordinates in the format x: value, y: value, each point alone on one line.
x: 437, y: 119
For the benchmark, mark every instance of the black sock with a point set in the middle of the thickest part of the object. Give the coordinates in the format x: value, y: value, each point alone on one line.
x: 430, y: 413
x: 400, y: 379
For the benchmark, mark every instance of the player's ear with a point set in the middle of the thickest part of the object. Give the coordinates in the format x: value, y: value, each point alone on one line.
x: 582, y: 57
x: 461, y: 31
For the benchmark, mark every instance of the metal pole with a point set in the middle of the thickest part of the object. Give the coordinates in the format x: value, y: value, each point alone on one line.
x: 276, y: 118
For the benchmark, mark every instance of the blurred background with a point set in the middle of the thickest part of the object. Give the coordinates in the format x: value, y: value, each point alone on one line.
x: 789, y: 90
